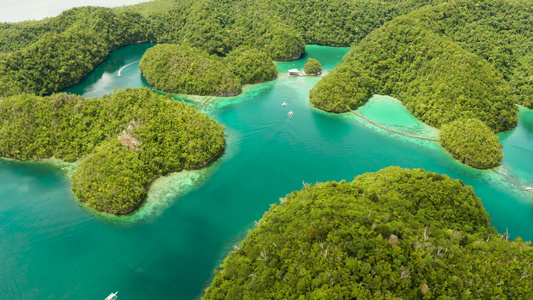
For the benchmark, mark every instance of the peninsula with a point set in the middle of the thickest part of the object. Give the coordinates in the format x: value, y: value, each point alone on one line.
x: 433, y: 60
x: 125, y: 140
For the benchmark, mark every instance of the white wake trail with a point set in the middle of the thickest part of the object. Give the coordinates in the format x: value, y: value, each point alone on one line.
x: 119, y: 71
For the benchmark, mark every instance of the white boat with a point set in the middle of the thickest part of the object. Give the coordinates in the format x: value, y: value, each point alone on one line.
x: 294, y: 72
x: 284, y: 104
x: 112, y: 296
x: 528, y: 189
x: 290, y: 114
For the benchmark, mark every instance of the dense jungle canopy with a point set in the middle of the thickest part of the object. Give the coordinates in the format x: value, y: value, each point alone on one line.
x: 446, y: 62
x: 189, y: 70
x: 126, y: 140
x: 471, y: 142
x: 46, y: 56
x: 393, y: 234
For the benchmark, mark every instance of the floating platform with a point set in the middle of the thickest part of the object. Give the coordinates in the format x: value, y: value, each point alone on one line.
x: 294, y: 72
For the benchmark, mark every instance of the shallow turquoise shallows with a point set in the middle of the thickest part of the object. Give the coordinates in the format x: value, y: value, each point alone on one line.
x: 52, y: 248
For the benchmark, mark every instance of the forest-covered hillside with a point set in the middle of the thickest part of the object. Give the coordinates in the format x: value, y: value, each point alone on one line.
x: 394, y: 234
x: 57, y: 60
x: 126, y: 140
x: 46, y: 56
x: 437, y: 79
x: 448, y: 62
x: 189, y: 70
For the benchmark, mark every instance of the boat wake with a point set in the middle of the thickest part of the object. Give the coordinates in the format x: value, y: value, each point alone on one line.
x: 119, y: 71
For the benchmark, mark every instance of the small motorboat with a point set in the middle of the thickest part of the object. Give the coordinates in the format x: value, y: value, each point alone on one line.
x: 291, y: 113
x: 284, y: 104
x: 528, y: 189
x: 112, y: 296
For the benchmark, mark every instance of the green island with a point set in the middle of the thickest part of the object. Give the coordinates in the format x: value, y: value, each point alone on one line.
x: 472, y: 142
x: 394, y: 234
x: 188, y: 70
x: 445, y: 62
x: 126, y: 141
x: 313, y: 67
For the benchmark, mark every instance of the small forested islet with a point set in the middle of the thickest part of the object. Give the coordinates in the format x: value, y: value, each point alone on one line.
x: 312, y: 67
x: 471, y: 142
x: 189, y: 70
x: 393, y: 234
x: 186, y: 70
x: 125, y: 140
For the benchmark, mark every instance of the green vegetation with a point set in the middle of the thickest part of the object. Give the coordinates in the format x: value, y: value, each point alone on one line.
x: 186, y: 70
x: 46, y: 56
x: 343, y: 89
x: 497, y: 31
x: 447, y: 62
x: 393, y: 234
x: 436, y: 79
x: 62, y: 56
x: 112, y: 179
x: 313, y: 67
x: 181, y: 69
x: 472, y: 143
x: 126, y: 140
x: 251, y: 65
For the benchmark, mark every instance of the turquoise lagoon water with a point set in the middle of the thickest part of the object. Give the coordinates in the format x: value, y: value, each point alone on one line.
x: 52, y: 248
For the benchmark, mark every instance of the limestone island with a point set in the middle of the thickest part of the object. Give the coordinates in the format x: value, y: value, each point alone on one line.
x: 393, y: 234
x: 125, y: 141
x: 313, y: 67
x: 189, y: 70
